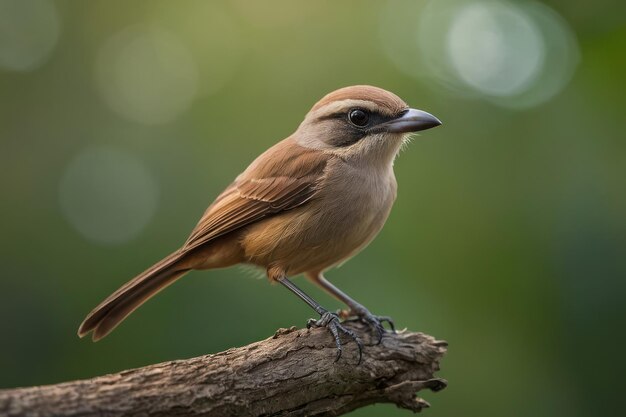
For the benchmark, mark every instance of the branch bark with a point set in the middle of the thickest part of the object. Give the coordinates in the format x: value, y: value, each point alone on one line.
x: 292, y: 373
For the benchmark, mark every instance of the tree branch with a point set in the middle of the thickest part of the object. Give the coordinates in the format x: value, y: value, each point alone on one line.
x: 290, y: 374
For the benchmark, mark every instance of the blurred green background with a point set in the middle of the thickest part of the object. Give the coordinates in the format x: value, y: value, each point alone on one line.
x: 120, y: 121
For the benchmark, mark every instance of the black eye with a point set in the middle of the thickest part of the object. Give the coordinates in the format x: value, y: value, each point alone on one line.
x: 358, y: 117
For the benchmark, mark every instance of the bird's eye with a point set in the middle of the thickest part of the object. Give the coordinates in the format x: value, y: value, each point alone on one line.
x: 358, y: 117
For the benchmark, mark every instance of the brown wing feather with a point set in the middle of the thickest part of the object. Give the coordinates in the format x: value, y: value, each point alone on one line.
x: 283, y: 178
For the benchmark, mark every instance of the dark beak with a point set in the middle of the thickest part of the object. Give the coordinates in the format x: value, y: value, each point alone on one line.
x: 412, y: 120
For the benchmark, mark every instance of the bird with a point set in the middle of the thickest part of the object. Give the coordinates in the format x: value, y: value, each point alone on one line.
x: 307, y: 204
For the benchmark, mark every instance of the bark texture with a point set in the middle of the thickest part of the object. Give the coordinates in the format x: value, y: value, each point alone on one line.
x: 292, y: 373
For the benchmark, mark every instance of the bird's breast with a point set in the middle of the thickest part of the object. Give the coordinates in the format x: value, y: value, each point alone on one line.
x: 346, y: 213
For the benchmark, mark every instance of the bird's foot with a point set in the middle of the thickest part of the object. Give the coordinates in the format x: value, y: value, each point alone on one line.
x: 376, y: 322
x: 334, y: 326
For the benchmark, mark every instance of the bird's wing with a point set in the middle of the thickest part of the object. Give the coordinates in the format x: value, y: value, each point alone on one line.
x: 283, y: 178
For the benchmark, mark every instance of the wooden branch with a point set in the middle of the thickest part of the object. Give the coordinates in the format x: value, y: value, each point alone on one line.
x: 290, y: 374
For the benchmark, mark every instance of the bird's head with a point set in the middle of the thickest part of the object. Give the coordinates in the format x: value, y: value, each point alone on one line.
x: 362, y: 123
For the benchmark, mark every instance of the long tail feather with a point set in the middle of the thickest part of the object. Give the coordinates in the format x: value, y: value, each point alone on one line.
x: 115, y: 308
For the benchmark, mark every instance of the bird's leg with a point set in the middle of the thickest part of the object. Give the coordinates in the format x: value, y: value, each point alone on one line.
x: 327, y: 319
x: 356, y: 309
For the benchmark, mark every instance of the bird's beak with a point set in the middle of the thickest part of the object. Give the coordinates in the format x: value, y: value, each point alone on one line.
x: 412, y: 120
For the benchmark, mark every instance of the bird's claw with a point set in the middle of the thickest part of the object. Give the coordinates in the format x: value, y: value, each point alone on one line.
x: 334, y: 326
x: 376, y: 322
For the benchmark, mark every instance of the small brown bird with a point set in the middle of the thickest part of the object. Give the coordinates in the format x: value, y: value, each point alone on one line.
x: 308, y: 203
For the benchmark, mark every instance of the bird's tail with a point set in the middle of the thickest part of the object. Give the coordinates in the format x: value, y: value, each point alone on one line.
x: 109, y: 313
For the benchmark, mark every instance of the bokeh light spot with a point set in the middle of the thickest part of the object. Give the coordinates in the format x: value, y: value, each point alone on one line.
x: 29, y: 31
x: 146, y: 75
x: 494, y: 48
x: 107, y: 195
x: 516, y: 55
x: 213, y: 36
